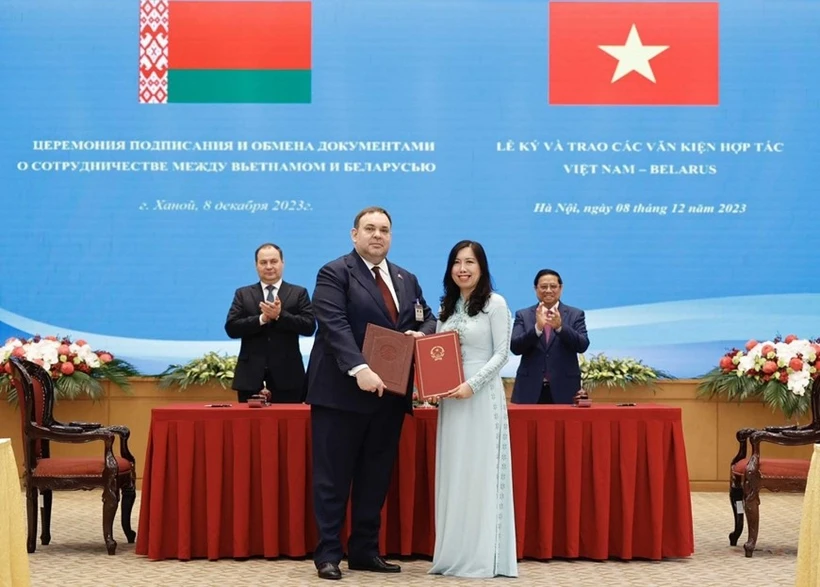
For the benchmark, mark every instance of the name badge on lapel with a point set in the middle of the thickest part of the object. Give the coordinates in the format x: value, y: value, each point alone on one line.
x: 419, y: 311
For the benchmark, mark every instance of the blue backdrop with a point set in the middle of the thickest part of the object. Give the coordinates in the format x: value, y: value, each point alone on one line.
x: 93, y: 255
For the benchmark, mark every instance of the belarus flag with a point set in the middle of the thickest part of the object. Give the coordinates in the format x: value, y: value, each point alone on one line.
x: 228, y: 51
x: 642, y: 53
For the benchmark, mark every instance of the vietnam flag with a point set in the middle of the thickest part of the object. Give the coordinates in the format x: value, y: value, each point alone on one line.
x: 641, y: 53
x: 225, y: 51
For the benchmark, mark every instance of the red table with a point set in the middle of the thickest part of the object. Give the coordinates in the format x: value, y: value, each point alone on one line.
x: 588, y: 483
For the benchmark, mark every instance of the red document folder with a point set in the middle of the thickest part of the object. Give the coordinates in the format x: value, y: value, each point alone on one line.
x: 438, y: 364
x: 390, y: 354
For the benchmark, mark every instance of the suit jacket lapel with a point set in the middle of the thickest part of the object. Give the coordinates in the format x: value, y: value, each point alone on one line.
x: 363, y: 275
x: 256, y: 295
x: 284, y: 293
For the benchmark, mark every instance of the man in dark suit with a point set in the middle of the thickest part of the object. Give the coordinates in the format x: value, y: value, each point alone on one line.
x: 548, y: 336
x: 356, y: 425
x: 269, y: 316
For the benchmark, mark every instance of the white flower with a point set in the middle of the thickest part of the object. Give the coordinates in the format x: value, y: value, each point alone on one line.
x: 746, y: 362
x: 799, y: 382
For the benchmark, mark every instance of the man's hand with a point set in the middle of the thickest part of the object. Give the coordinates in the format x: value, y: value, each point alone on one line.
x: 414, y: 333
x: 367, y: 380
x: 541, y: 317
x: 271, y: 310
x: 554, y: 319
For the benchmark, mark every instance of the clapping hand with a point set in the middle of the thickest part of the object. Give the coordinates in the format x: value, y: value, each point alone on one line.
x: 541, y: 317
x: 553, y: 318
x: 271, y: 310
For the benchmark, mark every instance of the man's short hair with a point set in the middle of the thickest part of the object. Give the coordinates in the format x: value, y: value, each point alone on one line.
x: 544, y: 272
x: 372, y: 210
x: 268, y: 246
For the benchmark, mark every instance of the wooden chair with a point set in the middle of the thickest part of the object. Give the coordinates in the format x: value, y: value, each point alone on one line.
x: 44, y: 474
x: 750, y: 474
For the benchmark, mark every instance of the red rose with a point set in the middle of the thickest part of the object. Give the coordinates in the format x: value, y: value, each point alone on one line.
x: 790, y: 338
x: 726, y: 364
x: 106, y: 358
x: 751, y: 344
x: 766, y: 377
x: 19, y: 352
x: 796, y: 364
x: 767, y: 348
x: 63, y: 350
x: 7, y: 368
x: 769, y: 367
x: 67, y: 368
x: 81, y: 342
x: 784, y: 377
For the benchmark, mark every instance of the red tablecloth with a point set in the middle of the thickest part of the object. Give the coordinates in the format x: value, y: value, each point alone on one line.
x: 588, y: 483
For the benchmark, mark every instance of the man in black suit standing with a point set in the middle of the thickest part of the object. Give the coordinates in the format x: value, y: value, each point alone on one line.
x: 356, y: 425
x: 269, y: 316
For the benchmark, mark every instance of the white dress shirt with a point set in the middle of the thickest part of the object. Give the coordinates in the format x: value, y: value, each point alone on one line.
x: 385, y: 273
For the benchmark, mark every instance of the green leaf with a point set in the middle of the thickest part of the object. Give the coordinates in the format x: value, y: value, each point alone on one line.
x: 204, y: 370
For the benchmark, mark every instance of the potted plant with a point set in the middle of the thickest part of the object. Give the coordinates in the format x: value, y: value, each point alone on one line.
x: 602, y: 371
x: 205, y: 370
x: 74, y: 366
x: 779, y: 371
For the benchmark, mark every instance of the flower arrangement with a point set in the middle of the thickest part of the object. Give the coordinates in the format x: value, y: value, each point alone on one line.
x: 602, y: 371
x: 201, y: 371
x: 781, y: 371
x: 74, y: 366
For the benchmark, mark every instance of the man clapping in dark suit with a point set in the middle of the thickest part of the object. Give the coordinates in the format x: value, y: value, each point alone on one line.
x: 548, y: 336
x: 356, y: 425
x: 269, y: 316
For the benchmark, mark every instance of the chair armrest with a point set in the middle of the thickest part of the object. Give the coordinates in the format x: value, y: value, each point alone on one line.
x: 742, y: 435
x: 58, y: 435
x: 790, y: 427
x: 785, y: 438
x: 124, y: 433
x: 66, y: 429
x: 86, y: 425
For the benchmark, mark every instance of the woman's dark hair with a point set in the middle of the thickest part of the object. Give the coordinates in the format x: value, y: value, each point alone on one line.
x: 483, y: 289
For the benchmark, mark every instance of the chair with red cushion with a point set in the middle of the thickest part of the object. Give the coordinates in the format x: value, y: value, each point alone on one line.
x: 44, y: 474
x: 750, y: 474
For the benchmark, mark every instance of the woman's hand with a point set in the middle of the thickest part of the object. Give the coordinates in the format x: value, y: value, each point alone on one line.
x: 463, y: 391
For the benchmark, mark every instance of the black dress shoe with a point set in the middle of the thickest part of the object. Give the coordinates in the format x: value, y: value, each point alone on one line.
x: 329, y: 571
x: 376, y: 565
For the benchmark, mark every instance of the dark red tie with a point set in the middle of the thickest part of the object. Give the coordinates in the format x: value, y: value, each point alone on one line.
x: 388, y: 298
